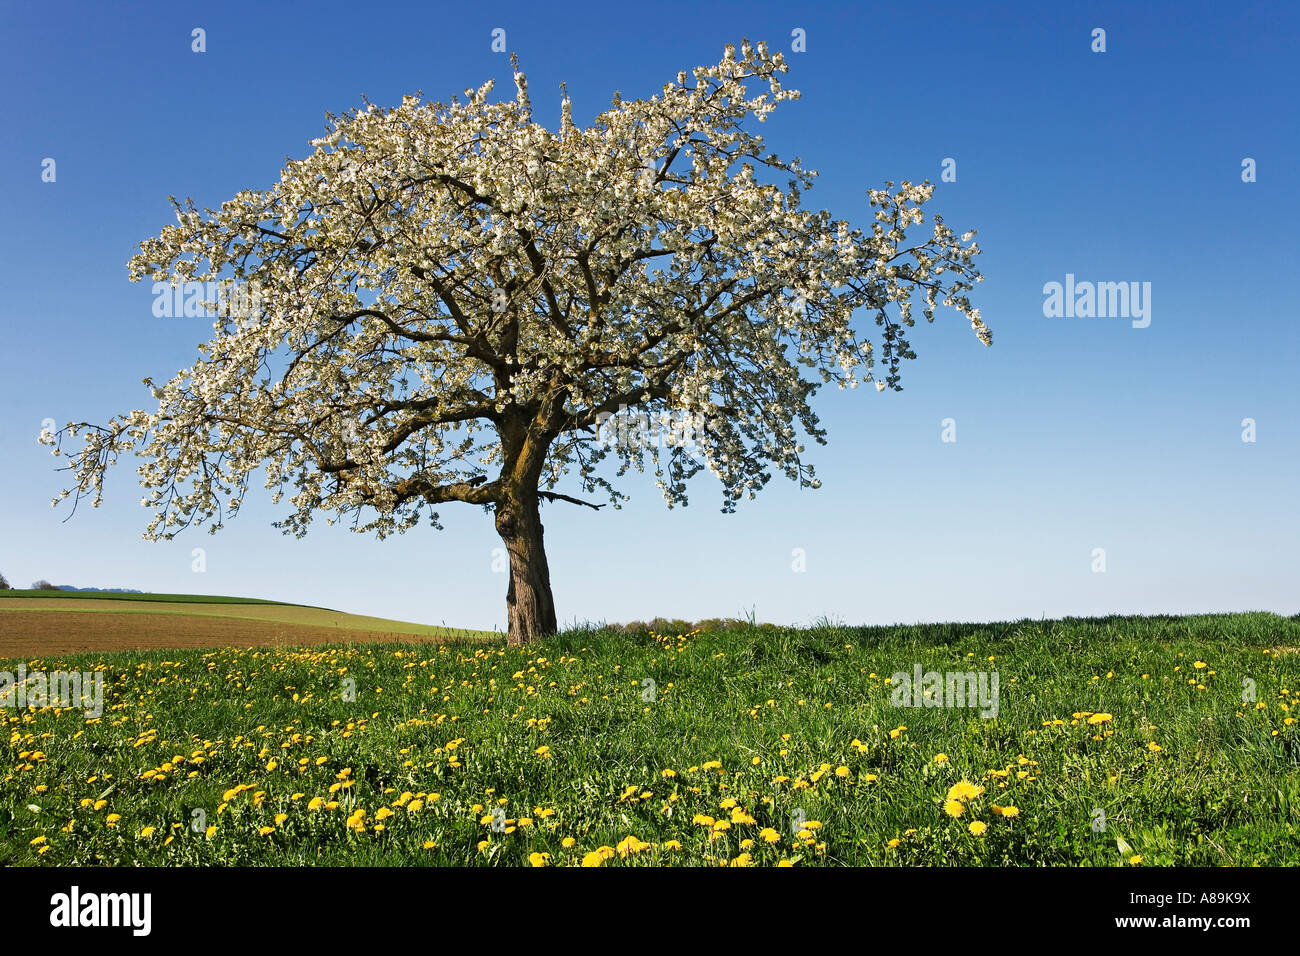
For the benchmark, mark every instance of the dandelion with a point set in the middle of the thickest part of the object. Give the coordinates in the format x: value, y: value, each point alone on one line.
x: 964, y: 791
x: 599, y: 856
x: 630, y: 845
x: 977, y: 828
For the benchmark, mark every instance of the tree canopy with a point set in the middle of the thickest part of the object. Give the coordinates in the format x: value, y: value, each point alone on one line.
x: 443, y: 302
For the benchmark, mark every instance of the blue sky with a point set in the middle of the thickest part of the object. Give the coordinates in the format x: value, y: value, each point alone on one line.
x: 1072, y: 433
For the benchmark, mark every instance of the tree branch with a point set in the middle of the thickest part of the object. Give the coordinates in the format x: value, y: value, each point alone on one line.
x: 554, y: 496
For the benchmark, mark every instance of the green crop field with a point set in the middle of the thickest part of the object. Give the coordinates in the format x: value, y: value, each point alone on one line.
x: 1120, y: 741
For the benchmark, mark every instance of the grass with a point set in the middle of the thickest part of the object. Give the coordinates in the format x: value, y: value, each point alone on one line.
x: 1111, y: 747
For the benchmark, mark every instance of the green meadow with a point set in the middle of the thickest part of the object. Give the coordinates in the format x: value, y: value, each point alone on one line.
x: 1118, y: 741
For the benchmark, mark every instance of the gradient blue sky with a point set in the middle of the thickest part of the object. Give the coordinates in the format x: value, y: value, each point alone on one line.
x: 1073, y: 433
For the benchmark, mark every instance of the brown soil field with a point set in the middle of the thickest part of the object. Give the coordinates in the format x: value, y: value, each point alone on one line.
x: 25, y: 632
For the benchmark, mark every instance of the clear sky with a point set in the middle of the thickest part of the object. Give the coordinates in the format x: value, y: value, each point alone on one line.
x: 1073, y: 433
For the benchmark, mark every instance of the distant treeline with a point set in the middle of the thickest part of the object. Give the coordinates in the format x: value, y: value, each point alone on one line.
x: 44, y: 585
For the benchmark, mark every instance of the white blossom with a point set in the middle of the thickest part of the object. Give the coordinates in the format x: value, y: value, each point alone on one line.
x: 378, y: 375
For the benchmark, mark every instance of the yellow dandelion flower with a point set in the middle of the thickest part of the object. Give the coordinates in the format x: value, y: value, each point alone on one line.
x: 964, y: 791
x: 630, y: 845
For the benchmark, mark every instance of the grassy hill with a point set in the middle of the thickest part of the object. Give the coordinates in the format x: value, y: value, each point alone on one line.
x: 64, y: 622
x: 1117, y: 741
x: 137, y: 596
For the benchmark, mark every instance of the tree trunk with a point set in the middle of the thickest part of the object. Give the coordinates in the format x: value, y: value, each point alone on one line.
x: 529, y: 603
